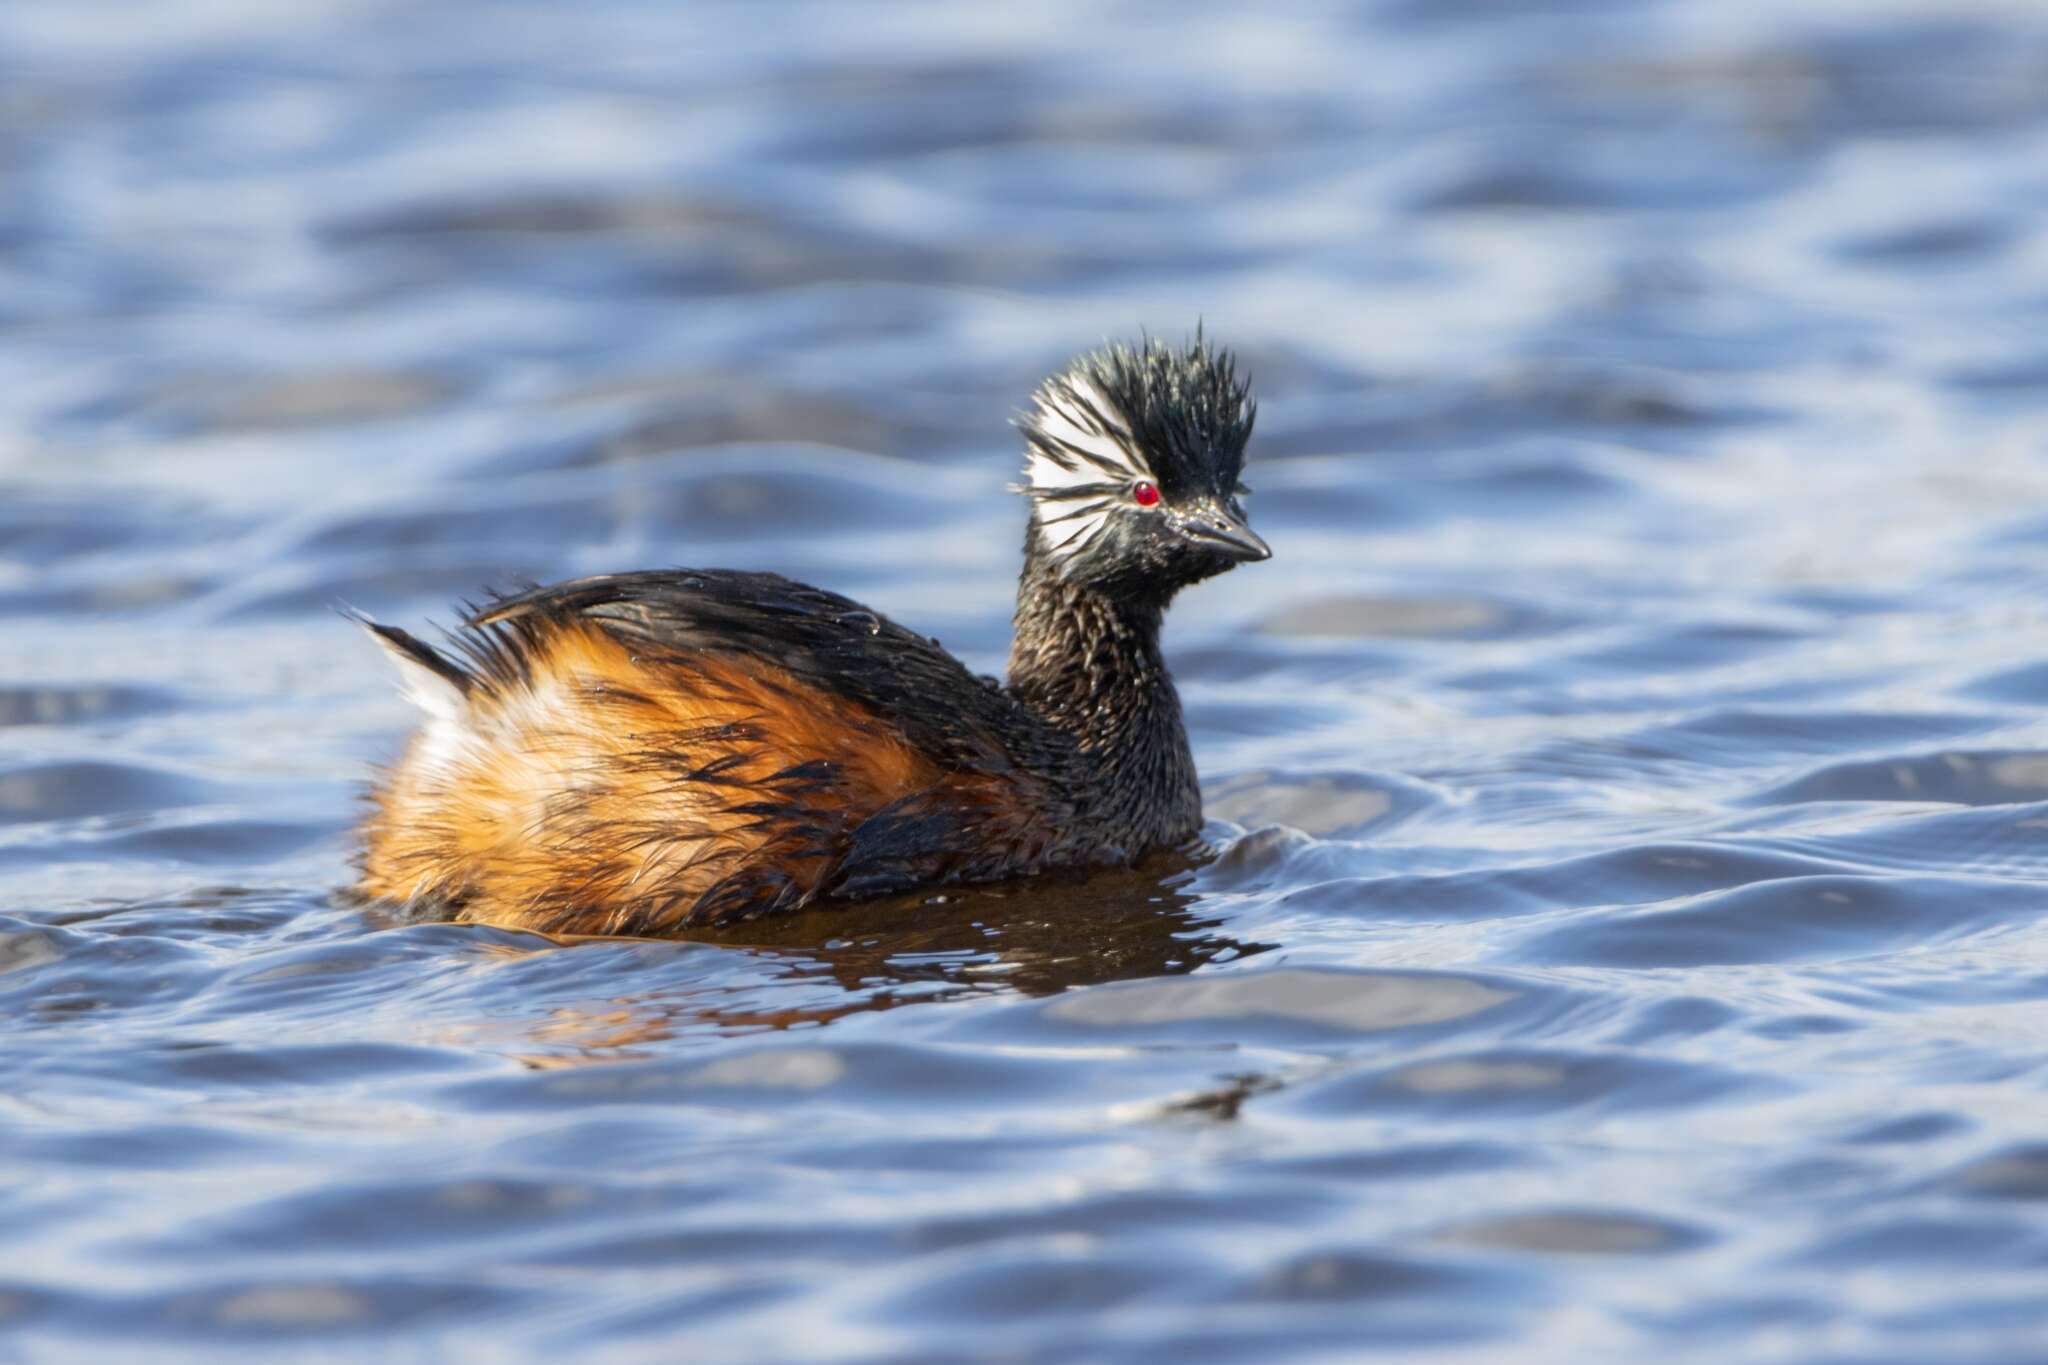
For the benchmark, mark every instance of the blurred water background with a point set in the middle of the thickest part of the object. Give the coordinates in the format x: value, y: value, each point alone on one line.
x: 1628, y: 937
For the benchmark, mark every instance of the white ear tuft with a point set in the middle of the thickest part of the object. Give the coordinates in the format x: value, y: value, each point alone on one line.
x: 1077, y: 438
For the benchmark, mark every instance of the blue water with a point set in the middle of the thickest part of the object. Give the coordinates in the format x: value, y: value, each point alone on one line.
x: 1626, y: 935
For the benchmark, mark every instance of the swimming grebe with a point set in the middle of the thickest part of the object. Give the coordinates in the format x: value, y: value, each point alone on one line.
x: 639, y: 752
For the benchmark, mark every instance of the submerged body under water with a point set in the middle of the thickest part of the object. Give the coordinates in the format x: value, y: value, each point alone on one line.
x: 1621, y: 929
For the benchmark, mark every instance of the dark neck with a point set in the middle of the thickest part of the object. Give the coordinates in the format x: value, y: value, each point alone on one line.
x: 1091, y: 665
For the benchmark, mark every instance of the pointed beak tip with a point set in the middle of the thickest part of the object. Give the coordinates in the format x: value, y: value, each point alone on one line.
x: 1230, y: 537
x: 1250, y: 547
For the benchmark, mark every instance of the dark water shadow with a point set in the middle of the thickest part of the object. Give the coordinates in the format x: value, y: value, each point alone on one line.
x: 1036, y: 937
x: 1033, y: 937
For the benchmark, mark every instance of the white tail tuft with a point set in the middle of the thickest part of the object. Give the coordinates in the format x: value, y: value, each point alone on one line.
x: 433, y: 691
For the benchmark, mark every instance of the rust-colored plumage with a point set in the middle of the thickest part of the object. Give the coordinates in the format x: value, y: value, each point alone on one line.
x: 588, y: 786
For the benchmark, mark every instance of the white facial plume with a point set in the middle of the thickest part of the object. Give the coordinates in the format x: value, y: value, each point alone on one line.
x: 1079, y: 462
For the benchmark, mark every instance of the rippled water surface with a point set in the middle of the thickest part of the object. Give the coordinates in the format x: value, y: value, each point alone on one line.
x: 1626, y: 935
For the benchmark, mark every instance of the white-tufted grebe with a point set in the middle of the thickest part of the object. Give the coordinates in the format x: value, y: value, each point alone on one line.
x: 636, y: 753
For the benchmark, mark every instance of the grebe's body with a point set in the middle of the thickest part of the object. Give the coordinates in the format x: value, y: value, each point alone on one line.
x: 636, y: 753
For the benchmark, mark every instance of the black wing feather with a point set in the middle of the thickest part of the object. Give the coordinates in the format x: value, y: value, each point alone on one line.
x: 412, y: 647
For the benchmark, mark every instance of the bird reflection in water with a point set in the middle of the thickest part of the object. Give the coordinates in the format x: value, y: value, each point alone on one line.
x: 1034, y: 937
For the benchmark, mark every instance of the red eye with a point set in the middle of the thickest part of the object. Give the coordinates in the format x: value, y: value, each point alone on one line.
x: 1145, y: 494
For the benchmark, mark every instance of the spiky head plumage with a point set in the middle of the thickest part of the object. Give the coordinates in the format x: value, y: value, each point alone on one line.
x: 1176, y: 417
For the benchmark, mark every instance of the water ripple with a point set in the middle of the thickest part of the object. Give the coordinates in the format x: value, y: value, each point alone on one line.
x: 1618, y: 932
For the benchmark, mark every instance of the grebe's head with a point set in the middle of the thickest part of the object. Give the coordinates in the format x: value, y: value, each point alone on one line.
x: 1132, y: 457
